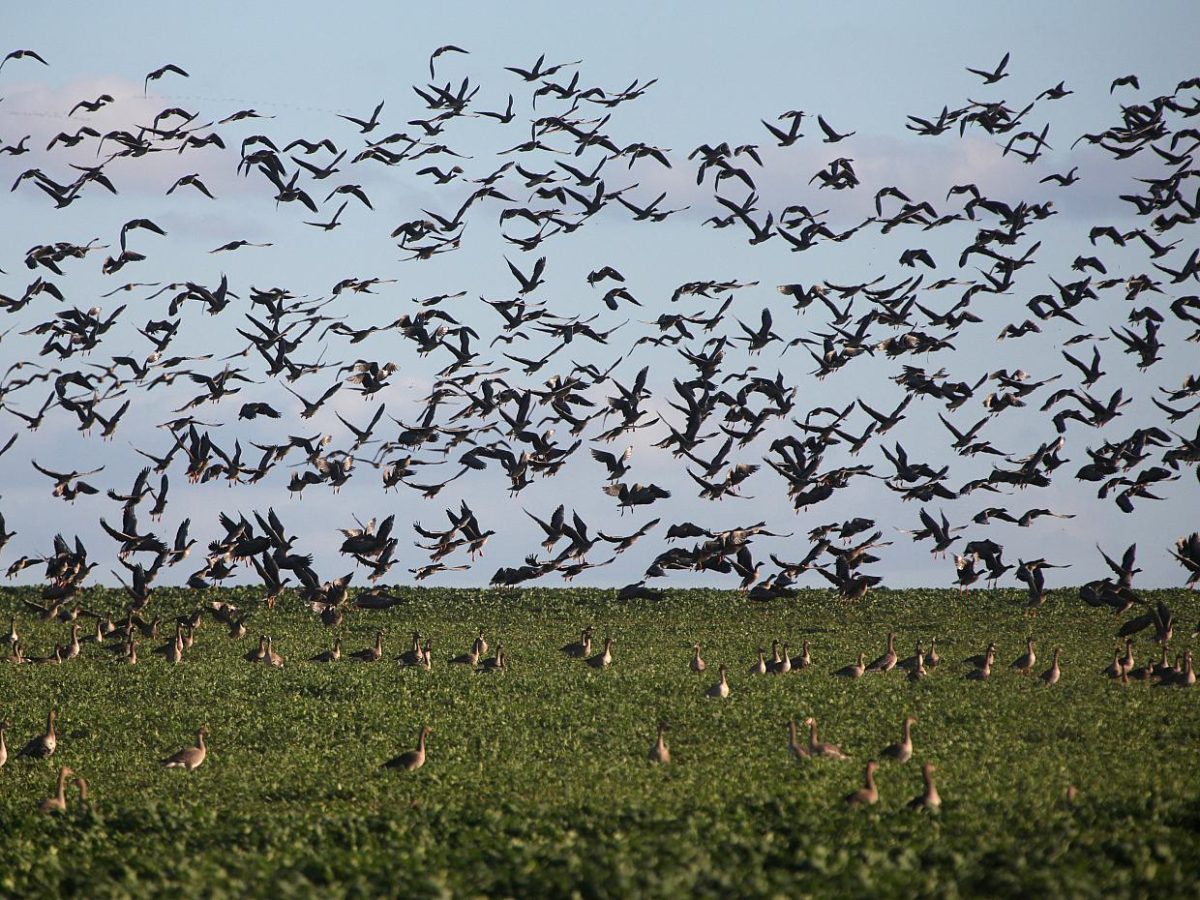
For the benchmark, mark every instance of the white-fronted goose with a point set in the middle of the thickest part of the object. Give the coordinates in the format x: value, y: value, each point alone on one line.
x: 189, y: 757
x: 929, y: 798
x: 414, y: 654
x: 603, y: 659
x: 272, y: 658
x: 797, y: 749
x: 44, y: 744
x: 804, y: 659
x: 581, y: 648
x: 901, y: 751
x: 659, y: 752
x: 1024, y: 663
x: 261, y: 653
x: 887, y: 662
x: 854, y: 670
x: 697, y: 664
x: 331, y: 655
x: 495, y: 663
x: 411, y: 759
x: 984, y: 672
x: 1052, y: 674
x: 818, y: 748
x: 783, y: 666
x: 17, y: 654
x: 721, y: 688
x: 868, y: 794
x: 760, y: 667
x: 931, y: 658
x: 370, y: 654
x: 58, y: 803
x: 175, y: 648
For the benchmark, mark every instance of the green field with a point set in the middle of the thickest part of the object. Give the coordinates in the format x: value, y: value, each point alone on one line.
x: 537, y: 780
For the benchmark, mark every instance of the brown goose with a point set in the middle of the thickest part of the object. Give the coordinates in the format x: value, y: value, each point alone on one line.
x: 697, y: 664
x: 931, y: 658
x: 414, y: 654
x: 854, y: 670
x: 984, y: 672
x: 3, y: 746
x: 929, y: 798
x: 1052, y: 674
x: 868, y: 794
x: 12, y: 637
x: 272, y: 657
x: 495, y: 664
x: 887, y: 662
x: 331, y: 655
x: 189, y: 757
x: 471, y: 657
x: 784, y: 665
x: 85, y: 804
x: 918, y: 671
x: 659, y: 752
x: 58, y: 803
x: 44, y: 744
x: 581, y: 648
x: 260, y: 654
x: 603, y: 659
x: 760, y: 667
x: 721, y: 688
x: 370, y: 654
x: 978, y: 659
x: 411, y: 760
x: 74, y: 647
x: 797, y: 749
x: 1024, y: 663
x: 818, y: 748
x: 901, y: 751
x: 804, y: 659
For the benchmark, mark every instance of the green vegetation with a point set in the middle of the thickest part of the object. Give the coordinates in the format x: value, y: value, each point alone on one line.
x: 537, y: 781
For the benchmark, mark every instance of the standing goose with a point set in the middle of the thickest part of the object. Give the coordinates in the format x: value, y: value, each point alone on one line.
x: 261, y: 653
x: 44, y: 744
x: 414, y: 654
x: 85, y: 804
x: 854, y: 670
x: 797, y: 749
x: 774, y: 661
x: 760, y: 667
x: 272, y: 657
x: 804, y: 659
x: 1024, y: 663
x: 868, y: 794
x: 721, y: 688
x: 984, y: 671
x: 887, y: 662
x: 901, y: 751
x: 910, y: 662
x: 817, y: 748
x: 929, y: 798
x: 13, y: 638
x: 130, y: 656
x: 58, y: 803
x: 471, y: 657
x: 931, y: 658
x: 1127, y: 661
x: 74, y: 648
x: 370, y: 654
x: 784, y: 665
x: 331, y: 655
x: 697, y: 664
x: 918, y: 671
x: 978, y: 659
x: 603, y: 659
x: 175, y: 648
x: 659, y: 752
x: 411, y: 759
x: 189, y: 757
x: 17, y: 655
x: 1052, y: 674
x: 426, y: 660
x: 578, y: 649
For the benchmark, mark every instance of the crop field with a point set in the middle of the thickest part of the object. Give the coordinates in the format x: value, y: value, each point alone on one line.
x: 537, y: 779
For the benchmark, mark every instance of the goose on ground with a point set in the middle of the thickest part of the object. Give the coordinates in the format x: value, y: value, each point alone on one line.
x: 372, y: 653
x: 784, y: 665
x: 819, y: 748
x: 1052, y: 674
x: 854, y: 670
x: 331, y: 655
x: 697, y: 664
x: 760, y: 667
x: 189, y: 757
x: 580, y: 648
x: 721, y: 688
x: 804, y: 659
x: 603, y: 659
x: 797, y: 749
x: 927, y: 799
x: 58, y: 803
x: 3, y: 746
x: 901, y: 751
x: 411, y: 760
x: 272, y: 657
x: 887, y: 662
x: 1024, y: 663
x: 868, y: 794
x: 44, y: 744
x: 659, y: 752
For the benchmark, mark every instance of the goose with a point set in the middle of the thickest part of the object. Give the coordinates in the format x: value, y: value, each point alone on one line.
x: 413, y: 655
x: 901, y: 751
x: 929, y: 798
x: 1114, y: 669
x: 797, y: 749
x: 1187, y: 677
x: 3, y: 746
x: 854, y: 670
x: 774, y: 655
x: 481, y: 643
x: 760, y: 667
x: 497, y: 663
x: 868, y: 794
x: 426, y: 660
x: 1127, y: 659
x: 13, y: 637
x: 984, y: 671
x: 74, y: 648
x: 84, y: 803
x: 978, y: 659
x: 784, y: 665
x: 603, y: 659
x: 817, y: 748
x: 44, y: 744
x: 17, y: 655
x: 331, y: 655
x: 370, y: 654
x: 931, y: 658
x: 804, y: 659
x: 1024, y: 663
x: 175, y: 649
x: 261, y: 653
x: 918, y: 671
x: 1052, y: 674
x: 910, y: 661
x: 54, y: 659
x: 721, y: 688
x: 412, y: 759
x: 58, y: 803
x: 697, y: 664
x: 189, y: 757
x: 470, y: 658
x: 887, y: 662
x: 272, y: 657
x: 237, y: 628
x: 131, y: 656
x: 580, y: 648
x: 659, y: 752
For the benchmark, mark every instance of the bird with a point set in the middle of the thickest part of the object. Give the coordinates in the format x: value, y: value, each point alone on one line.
x: 1024, y: 663
x: 411, y: 760
x: 929, y: 797
x: 189, y: 757
x: 993, y: 76
x: 366, y: 126
x: 44, y: 744
x: 697, y: 664
x: 901, y: 751
x: 721, y: 688
x: 58, y: 803
x: 603, y: 659
x: 853, y: 670
x: 1052, y: 674
x: 659, y: 751
x: 868, y: 794
x: 819, y: 749
x: 159, y: 73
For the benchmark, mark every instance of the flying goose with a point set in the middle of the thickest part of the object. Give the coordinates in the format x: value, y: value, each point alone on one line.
x: 697, y: 664
x: 868, y: 794
x: 721, y: 688
x: 929, y: 798
x: 44, y: 744
x: 331, y: 655
x: 189, y: 757
x: 1052, y: 674
x: 411, y: 759
x: 58, y: 803
x: 901, y: 751
x: 817, y: 748
x: 854, y: 670
x: 659, y: 752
